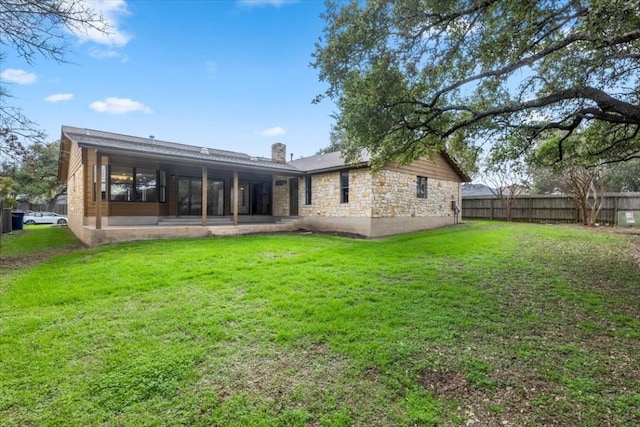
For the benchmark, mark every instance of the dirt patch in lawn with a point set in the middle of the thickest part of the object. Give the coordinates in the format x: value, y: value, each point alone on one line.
x: 313, y: 378
x: 635, y: 242
x: 520, y: 398
x: 19, y: 262
x: 567, y: 361
x: 633, y: 235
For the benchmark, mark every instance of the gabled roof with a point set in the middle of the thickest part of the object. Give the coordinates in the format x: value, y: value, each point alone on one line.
x: 108, y: 142
x: 334, y: 161
x: 327, y: 162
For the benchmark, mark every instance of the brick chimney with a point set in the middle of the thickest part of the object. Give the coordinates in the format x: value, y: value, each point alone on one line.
x: 279, y: 152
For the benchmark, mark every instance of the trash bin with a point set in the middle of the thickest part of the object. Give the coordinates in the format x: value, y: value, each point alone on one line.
x: 17, y: 220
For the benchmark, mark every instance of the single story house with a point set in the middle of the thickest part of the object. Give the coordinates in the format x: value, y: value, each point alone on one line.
x: 129, y: 188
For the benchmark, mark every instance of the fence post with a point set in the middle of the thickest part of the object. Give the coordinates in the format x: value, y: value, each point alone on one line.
x: 492, y: 200
x: 615, y: 210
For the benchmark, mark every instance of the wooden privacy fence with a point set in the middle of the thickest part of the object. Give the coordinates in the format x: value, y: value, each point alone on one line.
x: 547, y: 208
x: 42, y: 207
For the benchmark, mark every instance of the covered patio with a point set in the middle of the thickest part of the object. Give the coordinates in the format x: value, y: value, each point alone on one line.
x: 129, y: 188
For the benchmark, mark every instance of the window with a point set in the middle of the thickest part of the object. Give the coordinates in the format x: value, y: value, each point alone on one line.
x: 421, y: 187
x: 103, y: 179
x: 137, y: 185
x: 162, y: 186
x: 307, y: 190
x: 146, y: 185
x: 344, y: 187
x: 121, y: 184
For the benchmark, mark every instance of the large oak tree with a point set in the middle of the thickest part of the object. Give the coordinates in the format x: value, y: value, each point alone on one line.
x: 413, y: 77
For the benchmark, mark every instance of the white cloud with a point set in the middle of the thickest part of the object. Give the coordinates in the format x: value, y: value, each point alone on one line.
x: 59, y: 97
x: 107, y: 54
x: 21, y: 77
x: 114, y: 105
x: 276, y: 3
x: 274, y: 131
x: 111, y: 11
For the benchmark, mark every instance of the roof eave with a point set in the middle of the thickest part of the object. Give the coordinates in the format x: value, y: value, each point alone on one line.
x: 192, y: 160
x: 337, y: 168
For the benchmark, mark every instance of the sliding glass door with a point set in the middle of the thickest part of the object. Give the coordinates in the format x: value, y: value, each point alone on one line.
x: 190, y: 196
x: 215, y: 197
x: 261, y: 198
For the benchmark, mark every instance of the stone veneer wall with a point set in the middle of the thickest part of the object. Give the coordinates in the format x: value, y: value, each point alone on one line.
x: 325, y: 195
x: 380, y: 204
x: 395, y: 196
x: 379, y: 195
x: 280, y: 196
x: 75, y: 191
x: 76, y: 207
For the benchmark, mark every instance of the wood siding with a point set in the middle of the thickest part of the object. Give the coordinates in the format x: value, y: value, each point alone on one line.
x: 437, y: 168
x: 134, y: 209
x: 75, y: 158
x: 89, y: 160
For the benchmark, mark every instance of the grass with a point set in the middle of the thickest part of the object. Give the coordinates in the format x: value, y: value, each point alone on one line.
x: 499, y: 324
x: 35, y: 239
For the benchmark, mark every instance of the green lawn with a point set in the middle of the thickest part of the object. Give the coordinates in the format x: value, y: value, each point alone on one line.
x: 35, y: 239
x: 502, y: 324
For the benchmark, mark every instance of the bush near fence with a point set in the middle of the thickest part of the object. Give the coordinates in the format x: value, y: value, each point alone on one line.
x: 547, y: 208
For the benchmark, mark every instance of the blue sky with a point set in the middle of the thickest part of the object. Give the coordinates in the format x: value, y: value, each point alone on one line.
x: 228, y: 74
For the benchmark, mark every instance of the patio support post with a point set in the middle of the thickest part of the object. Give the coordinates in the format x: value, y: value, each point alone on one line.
x: 204, y: 204
x: 98, y: 190
x: 235, y: 197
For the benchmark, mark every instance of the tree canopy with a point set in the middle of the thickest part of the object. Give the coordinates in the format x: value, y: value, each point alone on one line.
x: 413, y: 77
x: 337, y: 139
x: 38, y: 174
x: 34, y: 179
x: 33, y: 28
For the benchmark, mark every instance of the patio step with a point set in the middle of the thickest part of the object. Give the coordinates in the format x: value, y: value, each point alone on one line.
x: 231, y: 230
x: 195, y: 221
x: 226, y: 220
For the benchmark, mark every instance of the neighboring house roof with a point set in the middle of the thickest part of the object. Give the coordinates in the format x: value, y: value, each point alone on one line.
x: 108, y: 142
x: 479, y: 190
x: 470, y: 190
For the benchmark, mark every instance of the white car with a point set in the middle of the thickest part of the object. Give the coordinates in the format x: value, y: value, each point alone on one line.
x: 44, y: 218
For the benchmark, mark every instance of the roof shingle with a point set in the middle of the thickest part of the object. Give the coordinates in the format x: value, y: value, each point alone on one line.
x: 136, y: 145
x: 324, y: 162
